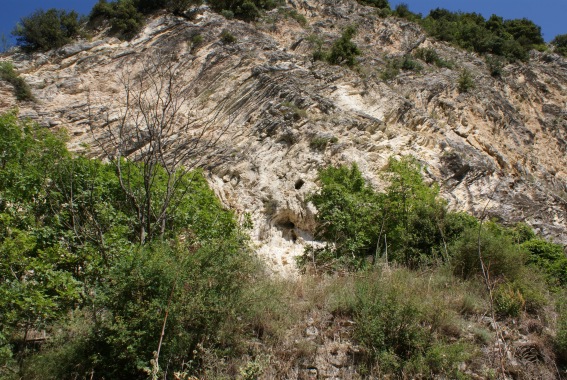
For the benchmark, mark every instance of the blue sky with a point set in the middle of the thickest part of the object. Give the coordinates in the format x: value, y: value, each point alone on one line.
x: 549, y: 14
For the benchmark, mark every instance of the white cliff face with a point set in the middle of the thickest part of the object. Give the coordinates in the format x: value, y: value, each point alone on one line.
x: 283, y: 116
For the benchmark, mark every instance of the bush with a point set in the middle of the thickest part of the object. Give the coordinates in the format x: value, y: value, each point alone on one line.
x: 503, y: 259
x: 409, y: 64
x: 400, y: 326
x: 393, y: 67
x: 344, y: 51
x: 124, y: 16
x: 550, y: 258
x: 356, y: 221
x: 383, y: 4
x: 21, y: 88
x: 320, y: 142
x: 511, y: 39
x: 45, y: 30
x: 495, y: 65
x: 402, y: 11
x: 248, y: 10
x: 560, y: 44
x: 347, y: 213
x: 465, y: 83
x: 507, y: 301
x: 67, y: 245
x: 431, y: 57
x: 227, y: 37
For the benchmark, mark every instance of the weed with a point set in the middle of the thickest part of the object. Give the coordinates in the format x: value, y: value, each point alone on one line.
x: 21, y: 88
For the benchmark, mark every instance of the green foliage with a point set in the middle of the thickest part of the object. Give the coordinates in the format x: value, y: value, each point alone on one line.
x: 511, y: 39
x: 45, y: 30
x: 560, y: 44
x: 508, y: 302
x: 502, y: 257
x: 411, y: 213
x: 383, y: 4
x: 347, y: 212
x: 321, y: 142
x: 227, y: 37
x: 465, y: 82
x: 399, y: 326
x: 197, y: 39
x: 550, y: 258
x: 431, y: 57
x: 402, y: 11
x: 344, y: 51
x: 316, y: 43
x: 393, y: 67
x: 495, y: 65
x: 294, y: 14
x: 248, y: 10
x: 358, y: 222
x: 21, y: 88
x: 124, y: 16
x: 68, y: 242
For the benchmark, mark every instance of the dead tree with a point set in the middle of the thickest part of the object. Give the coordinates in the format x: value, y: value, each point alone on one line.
x: 152, y: 134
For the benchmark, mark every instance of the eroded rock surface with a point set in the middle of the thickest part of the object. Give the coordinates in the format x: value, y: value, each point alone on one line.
x: 502, y: 143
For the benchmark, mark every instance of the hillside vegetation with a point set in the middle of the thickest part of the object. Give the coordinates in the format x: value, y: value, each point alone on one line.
x: 511, y: 39
x: 83, y: 297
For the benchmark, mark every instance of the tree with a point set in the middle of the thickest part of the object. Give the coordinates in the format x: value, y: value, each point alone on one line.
x: 247, y: 10
x: 155, y: 143
x: 560, y: 43
x: 525, y: 31
x: 44, y: 30
x: 344, y: 51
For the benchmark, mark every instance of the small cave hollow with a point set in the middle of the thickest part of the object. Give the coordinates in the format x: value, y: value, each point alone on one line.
x: 299, y: 184
x: 287, y: 227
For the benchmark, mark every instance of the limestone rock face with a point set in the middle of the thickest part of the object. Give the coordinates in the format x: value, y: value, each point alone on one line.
x: 500, y: 146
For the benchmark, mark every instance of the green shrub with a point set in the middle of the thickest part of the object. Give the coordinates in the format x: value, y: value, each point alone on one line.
x: 248, y: 10
x: 67, y: 245
x: 409, y: 64
x: 431, y: 57
x: 507, y: 301
x: 402, y: 11
x: 560, y: 44
x: 45, y: 30
x: 383, y: 4
x: 391, y: 70
x: 393, y: 67
x: 294, y: 14
x: 197, y: 39
x: 21, y: 88
x: 511, y: 39
x: 320, y: 143
x: 465, y: 82
x: 357, y: 222
x: 229, y: 15
x: 503, y: 259
x: 550, y: 258
x: 316, y: 43
x: 344, y: 51
x: 124, y: 16
x: 227, y: 37
x: 495, y: 65
x: 347, y: 212
x: 397, y: 325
